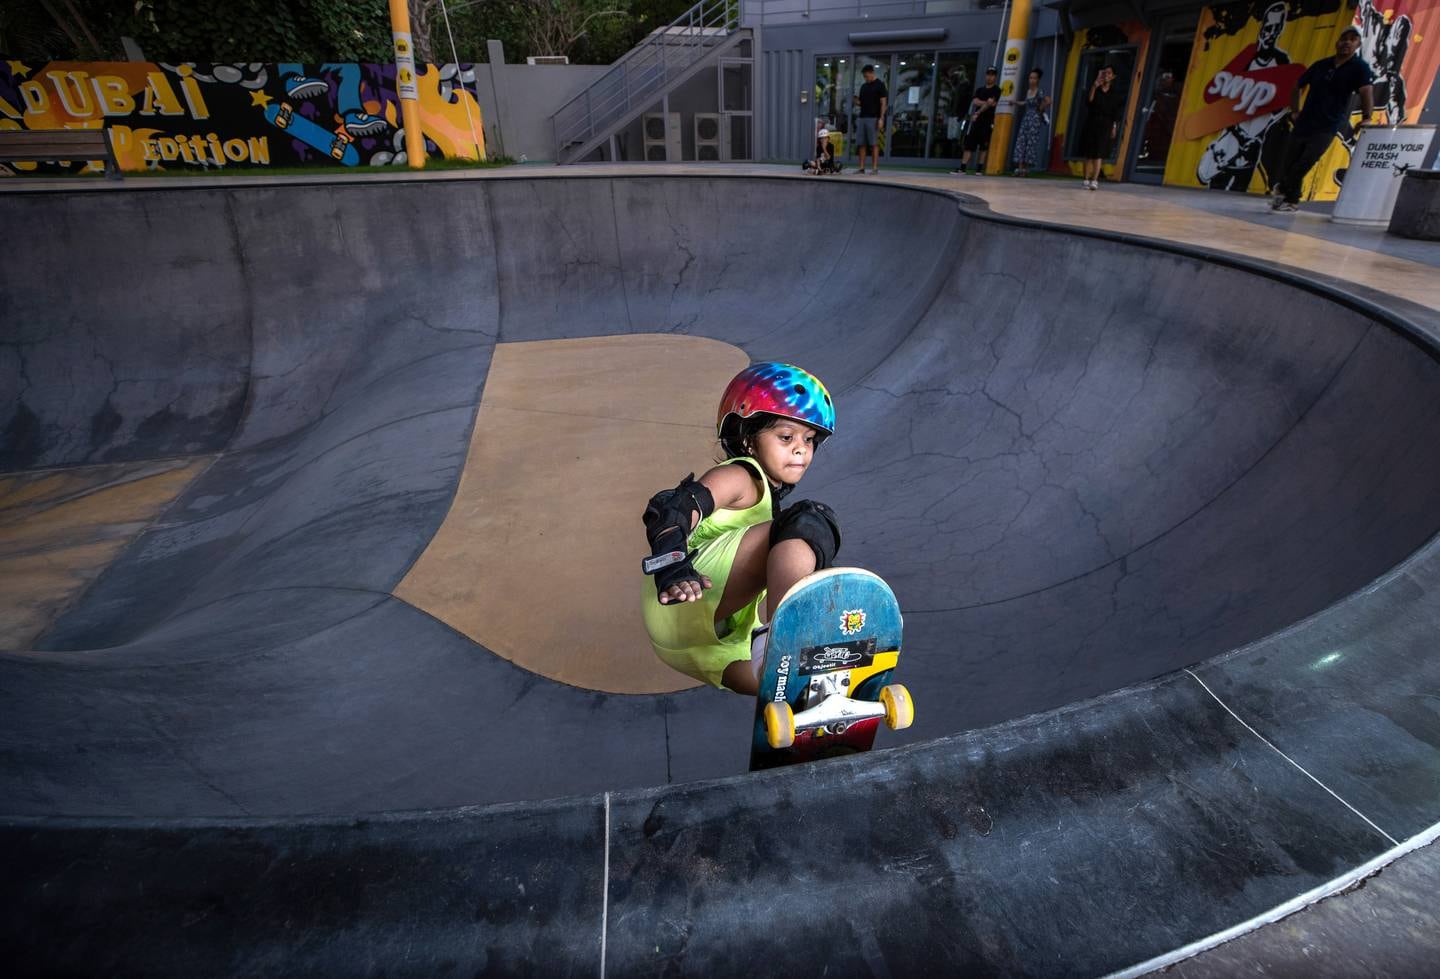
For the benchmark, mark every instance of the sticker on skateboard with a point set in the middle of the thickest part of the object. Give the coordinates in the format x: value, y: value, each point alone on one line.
x: 337, y: 145
x: 833, y: 645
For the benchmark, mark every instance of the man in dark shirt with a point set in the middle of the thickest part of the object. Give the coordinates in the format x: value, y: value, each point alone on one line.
x: 982, y: 121
x: 873, y: 99
x: 1331, y: 82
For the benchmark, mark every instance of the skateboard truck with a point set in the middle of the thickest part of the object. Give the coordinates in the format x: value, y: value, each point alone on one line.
x: 341, y: 142
x: 836, y: 712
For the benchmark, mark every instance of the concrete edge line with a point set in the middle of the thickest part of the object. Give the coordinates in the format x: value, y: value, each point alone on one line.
x: 1298, y: 903
x: 1302, y: 769
x: 605, y: 891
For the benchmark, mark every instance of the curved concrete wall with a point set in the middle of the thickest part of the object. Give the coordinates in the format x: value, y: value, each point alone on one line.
x: 1081, y: 461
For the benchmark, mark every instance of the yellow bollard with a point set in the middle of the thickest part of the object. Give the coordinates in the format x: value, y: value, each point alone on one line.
x: 405, y: 85
x: 1011, y: 61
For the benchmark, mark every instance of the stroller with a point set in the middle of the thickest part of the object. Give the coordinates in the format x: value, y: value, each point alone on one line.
x: 824, y: 161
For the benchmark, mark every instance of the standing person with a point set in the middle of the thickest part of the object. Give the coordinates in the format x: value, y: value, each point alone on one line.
x: 722, y: 547
x: 1331, y: 82
x: 982, y: 121
x: 1102, y: 124
x: 1034, y: 127
x: 873, y: 99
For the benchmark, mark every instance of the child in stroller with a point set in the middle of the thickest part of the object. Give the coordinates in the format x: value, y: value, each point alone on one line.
x: 824, y: 161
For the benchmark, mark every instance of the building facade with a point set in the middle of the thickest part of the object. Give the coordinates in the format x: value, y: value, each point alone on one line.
x: 1206, y: 87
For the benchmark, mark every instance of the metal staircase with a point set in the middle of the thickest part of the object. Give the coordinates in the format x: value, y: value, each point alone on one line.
x: 654, y: 67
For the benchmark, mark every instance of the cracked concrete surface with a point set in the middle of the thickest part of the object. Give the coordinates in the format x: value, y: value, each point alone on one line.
x: 1081, y: 464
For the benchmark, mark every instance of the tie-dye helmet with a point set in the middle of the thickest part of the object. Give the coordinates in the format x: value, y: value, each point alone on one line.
x: 777, y: 389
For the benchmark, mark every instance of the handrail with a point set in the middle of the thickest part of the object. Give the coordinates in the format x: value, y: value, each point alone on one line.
x: 642, y: 73
x: 761, y: 13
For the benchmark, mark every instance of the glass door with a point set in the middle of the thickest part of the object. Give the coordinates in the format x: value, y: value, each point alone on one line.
x: 954, y: 88
x: 1122, y: 59
x: 911, y: 104
x: 855, y: 73
x: 736, y: 108
x: 832, y: 101
x: 1160, y: 101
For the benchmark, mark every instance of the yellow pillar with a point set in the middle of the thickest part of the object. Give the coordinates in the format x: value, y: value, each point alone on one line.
x: 1012, y: 60
x: 405, y: 84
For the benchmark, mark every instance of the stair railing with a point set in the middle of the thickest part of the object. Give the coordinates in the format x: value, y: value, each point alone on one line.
x: 642, y: 74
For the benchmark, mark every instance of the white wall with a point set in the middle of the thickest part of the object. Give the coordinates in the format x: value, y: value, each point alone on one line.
x: 518, y: 100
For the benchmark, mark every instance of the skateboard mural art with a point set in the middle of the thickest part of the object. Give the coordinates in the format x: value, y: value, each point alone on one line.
x: 834, y: 643
x: 213, y: 116
x: 338, y: 145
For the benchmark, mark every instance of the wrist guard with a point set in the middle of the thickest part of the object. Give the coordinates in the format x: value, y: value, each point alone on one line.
x: 668, y: 518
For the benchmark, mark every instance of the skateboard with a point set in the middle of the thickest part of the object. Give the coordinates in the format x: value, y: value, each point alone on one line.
x: 834, y: 641
x: 337, y: 144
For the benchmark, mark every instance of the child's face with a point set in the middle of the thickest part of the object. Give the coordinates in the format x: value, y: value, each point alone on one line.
x: 784, y: 450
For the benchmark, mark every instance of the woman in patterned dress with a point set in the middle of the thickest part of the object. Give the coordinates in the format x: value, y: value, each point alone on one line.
x: 1030, y: 143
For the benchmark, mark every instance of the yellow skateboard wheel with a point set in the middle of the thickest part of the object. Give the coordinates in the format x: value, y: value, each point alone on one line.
x: 899, y: 708
x: 779, y: 725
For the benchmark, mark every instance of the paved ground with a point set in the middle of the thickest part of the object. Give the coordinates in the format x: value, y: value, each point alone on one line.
x: 1383, y: 927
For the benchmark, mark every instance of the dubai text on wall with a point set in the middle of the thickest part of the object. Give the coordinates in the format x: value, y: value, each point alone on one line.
x: 208, y: 116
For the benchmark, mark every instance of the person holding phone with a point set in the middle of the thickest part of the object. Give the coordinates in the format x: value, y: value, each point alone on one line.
x: 1104, y: 104
x: 872, y: 99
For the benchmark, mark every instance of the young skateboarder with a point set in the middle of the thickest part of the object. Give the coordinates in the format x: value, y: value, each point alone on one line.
x: 720, y: 544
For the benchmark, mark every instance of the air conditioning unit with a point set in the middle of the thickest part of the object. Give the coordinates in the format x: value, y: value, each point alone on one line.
x: 707, y: 135
x: 548, y: 59
x: 662, y: 136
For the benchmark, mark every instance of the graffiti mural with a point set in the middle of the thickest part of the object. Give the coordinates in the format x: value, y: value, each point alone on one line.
x: 1235, y: 110
x: 209, y: 116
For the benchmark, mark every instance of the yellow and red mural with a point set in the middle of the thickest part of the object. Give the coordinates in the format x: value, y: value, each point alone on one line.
x: 209, y: 116
x: 1235, y: 108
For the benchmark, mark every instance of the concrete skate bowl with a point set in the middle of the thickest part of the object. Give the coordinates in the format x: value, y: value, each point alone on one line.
x: 1161, y: 523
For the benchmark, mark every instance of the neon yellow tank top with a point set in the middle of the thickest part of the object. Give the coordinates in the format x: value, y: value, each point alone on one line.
x: 722, y: 521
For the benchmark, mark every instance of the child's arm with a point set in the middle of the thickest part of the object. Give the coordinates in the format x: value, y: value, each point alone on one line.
x: 730, y: 487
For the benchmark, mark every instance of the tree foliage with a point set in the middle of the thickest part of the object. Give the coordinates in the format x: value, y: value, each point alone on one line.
x: 315, y: 31
x: 587, y: 31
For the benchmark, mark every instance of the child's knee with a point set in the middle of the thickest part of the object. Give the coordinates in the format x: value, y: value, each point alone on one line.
x: 815, y: 524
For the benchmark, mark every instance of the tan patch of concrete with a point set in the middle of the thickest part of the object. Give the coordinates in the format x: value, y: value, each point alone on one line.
x: 60, y: 528
x: 539, y: 556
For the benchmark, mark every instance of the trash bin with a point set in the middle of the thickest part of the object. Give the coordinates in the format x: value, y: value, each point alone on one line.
x: 1379, y: 161
x: 1417, y: 209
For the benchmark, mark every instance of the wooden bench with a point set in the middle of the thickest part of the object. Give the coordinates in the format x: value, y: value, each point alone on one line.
x: 37, y: 145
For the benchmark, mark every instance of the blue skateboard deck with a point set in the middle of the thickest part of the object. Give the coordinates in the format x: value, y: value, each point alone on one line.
x: 835, y: 632
x: 337, y: 145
